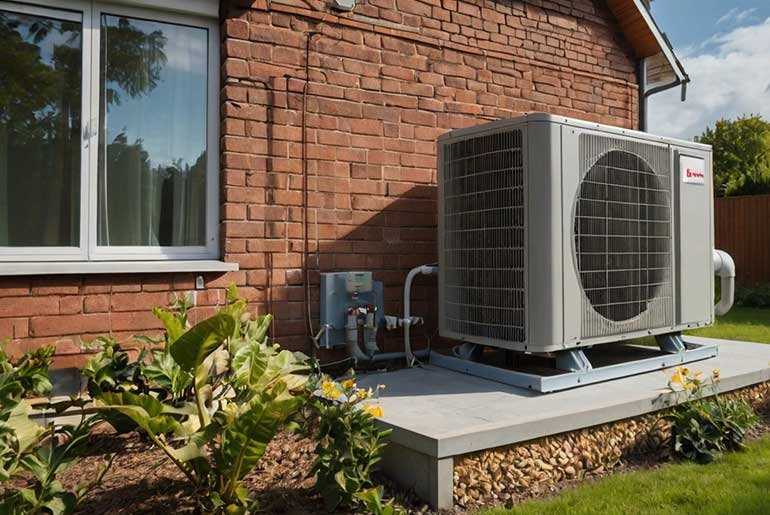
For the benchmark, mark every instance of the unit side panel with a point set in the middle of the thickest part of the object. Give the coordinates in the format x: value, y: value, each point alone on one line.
x: 545, y: 292
x: 573, y: 295
x: 693, y: 184
x: 482, y: 251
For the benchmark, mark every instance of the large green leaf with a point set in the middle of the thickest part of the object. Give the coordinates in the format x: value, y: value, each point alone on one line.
x: 259, y: 366
x: 174, y: 328
x: 258, y: 328
x: 190, y: 349
x: 27, y: 432
x: 248, y: 364
x: 245, y: 439
x: 146, y: 411
x: 165, y: 373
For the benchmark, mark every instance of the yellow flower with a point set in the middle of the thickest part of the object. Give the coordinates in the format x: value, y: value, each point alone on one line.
x: 348, y: 384
x: 677, y: 377
x: 363, y: 394
x: 715, y: 374
x: 330, y: 390
x: 685, y: 371
x: 374, y: 410
x: 698, y: 374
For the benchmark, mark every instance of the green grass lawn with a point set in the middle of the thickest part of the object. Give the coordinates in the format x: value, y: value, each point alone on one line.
x: 746, y: 324
x: 737, y: 484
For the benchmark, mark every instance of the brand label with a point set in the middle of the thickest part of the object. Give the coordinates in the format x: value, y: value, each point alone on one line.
x: 693, y: 170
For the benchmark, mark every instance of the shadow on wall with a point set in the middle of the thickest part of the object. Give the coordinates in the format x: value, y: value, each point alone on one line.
x: 388, y: 235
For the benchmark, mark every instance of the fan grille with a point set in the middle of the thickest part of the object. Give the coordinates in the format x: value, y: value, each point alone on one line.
x: 623, y: 240
x: 483, y: 263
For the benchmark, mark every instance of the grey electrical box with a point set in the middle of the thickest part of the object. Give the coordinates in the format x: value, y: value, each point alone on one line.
x: 341, y: 291
x: 556, y: 233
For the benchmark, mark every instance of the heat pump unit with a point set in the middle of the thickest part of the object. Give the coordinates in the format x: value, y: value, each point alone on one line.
x: 559, y: 234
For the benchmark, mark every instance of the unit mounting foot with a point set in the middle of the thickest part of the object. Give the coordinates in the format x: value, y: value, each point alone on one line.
x: 574, y: 360
x: 671, y: 343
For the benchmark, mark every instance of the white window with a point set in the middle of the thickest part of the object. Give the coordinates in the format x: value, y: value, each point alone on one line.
x: 109, y: 130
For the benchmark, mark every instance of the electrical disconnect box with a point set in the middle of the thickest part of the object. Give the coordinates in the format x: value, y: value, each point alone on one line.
x: 350, y: 301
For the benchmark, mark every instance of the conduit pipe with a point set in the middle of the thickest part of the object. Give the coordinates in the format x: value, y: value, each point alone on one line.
x: 724, y: 267
x: 407, y: 320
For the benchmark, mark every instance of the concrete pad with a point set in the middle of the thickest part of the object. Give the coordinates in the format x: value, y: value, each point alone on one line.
x: 436, y: 414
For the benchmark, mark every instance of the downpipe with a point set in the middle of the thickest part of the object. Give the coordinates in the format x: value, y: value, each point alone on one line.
x: 724, y: 267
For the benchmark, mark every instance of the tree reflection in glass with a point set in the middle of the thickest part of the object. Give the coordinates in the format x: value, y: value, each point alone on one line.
x: 40, y: 124
x: 152, y: 151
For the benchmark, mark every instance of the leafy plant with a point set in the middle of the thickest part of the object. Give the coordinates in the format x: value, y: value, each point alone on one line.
x: 244, y: 390
x: 741, y: 155
x: 349, y: 443
x: 372, y: 501
x: 28, y: 450
x: 111, y: 369
x: 30, y: 372
x: 52, y: 452
x: 758, y: 297
x: 704, y: 427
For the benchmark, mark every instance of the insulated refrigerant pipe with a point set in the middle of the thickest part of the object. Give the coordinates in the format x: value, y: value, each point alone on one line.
x: 407, y: 320
x: 724, y: 267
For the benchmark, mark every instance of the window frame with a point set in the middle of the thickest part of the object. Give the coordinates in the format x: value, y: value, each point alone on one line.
x: 88, y: 249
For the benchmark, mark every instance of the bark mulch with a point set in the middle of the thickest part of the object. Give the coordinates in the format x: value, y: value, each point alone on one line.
x: 143, y: 481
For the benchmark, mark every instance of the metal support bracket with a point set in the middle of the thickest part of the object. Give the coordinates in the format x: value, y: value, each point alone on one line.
x: 574, y: 360
x: 633, y: 360
x: 671, y: 343
x: 468, y: 351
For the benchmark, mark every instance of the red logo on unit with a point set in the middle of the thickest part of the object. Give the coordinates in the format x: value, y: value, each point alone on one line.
x: 693, y: 173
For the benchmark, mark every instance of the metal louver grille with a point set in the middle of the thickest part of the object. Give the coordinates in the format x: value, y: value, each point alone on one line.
x: 623, y: 236
x: 483, y: 262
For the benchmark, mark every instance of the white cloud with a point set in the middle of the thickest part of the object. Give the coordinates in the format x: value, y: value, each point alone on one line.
x: 729, y: 78
x: 736, y: 16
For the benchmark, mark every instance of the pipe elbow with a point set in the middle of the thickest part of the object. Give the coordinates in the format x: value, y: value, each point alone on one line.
x: 724, y: 267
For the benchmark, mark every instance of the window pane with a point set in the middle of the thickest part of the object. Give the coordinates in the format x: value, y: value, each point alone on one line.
x: 152, y: 151
x: 40, y: 110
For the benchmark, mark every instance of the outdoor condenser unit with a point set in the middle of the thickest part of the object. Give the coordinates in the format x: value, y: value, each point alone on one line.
x: 559, y: 234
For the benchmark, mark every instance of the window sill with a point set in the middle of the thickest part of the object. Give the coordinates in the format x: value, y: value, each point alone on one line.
x: 114, y: 267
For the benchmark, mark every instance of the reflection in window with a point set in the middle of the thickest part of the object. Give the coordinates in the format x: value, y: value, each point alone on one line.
x: 40, y: 145
x: 152, y: 150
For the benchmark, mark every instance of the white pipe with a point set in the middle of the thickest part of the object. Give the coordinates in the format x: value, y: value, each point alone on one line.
x: 425, y: 270
x: 724, y: 267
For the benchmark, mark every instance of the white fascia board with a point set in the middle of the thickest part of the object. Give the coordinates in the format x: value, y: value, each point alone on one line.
x: 664, y: 46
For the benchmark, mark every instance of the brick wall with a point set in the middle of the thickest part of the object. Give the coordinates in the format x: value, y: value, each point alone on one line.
x: 383, y: 83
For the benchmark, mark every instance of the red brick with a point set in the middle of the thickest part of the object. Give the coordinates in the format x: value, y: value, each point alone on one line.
x: 28, y: 306
x: 375, y: 105
x: 70, y: 305
x: 14, y: 328
x: 143, y: 301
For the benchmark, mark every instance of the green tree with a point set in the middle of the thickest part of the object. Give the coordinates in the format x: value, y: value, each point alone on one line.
x: 741, y: 155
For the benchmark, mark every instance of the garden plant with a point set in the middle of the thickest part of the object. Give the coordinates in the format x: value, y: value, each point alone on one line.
x: 703, y: 424
x: 243, y: 391
x: 211, y: 396
x: 349, y: 443
x: 32, y: 454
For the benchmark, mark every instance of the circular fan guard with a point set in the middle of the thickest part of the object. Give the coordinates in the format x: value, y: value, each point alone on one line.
x: 622, y: 235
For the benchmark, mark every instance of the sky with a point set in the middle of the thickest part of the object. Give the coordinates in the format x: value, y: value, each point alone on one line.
x: 725, y: 49
x: 163, y: 119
